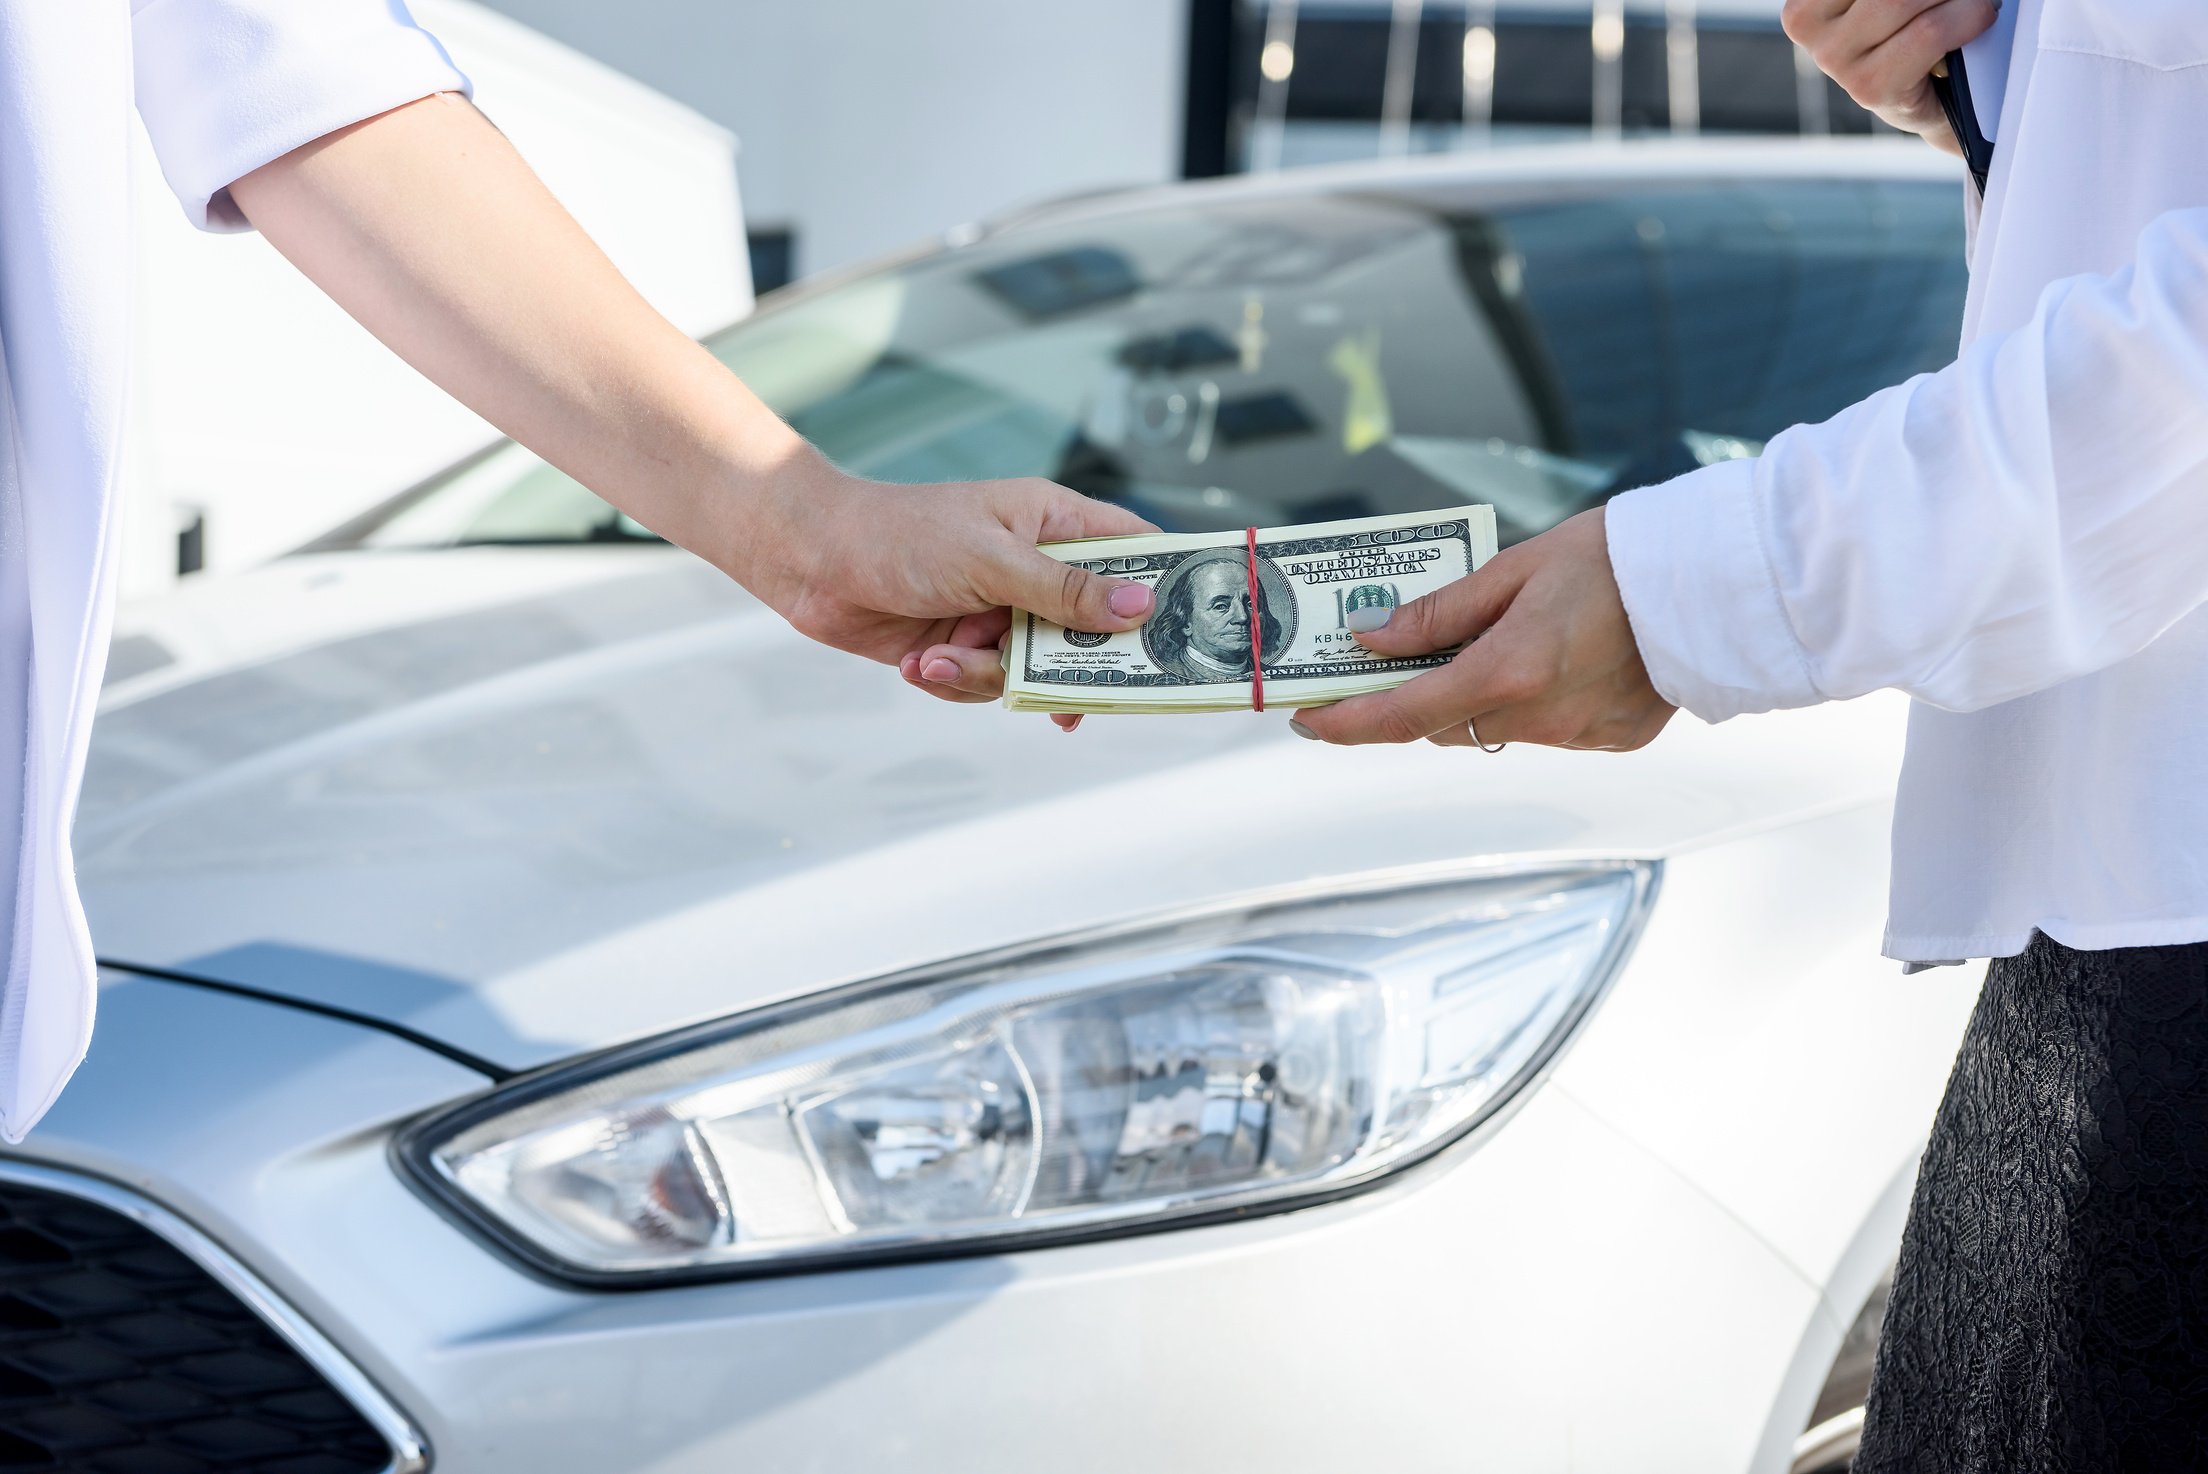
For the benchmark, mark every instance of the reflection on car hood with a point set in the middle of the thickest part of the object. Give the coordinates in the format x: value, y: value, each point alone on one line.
x: 605, y: 793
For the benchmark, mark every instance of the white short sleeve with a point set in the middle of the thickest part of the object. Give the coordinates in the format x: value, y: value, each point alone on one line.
x: 227, y: 85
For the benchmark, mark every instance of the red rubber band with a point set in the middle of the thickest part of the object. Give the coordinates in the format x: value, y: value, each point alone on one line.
x: 1257, y: 627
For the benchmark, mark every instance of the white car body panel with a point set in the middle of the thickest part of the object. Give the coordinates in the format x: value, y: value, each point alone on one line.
x: 1583, y: 1328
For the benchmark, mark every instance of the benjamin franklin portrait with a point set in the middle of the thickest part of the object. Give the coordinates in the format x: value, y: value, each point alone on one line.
x: 1201, y: 632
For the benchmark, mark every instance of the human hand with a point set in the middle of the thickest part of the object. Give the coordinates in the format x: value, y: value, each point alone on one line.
x: 966, y: 664
x: 1883, y: 51
x: 893, y: 572
x: 1554, y: 663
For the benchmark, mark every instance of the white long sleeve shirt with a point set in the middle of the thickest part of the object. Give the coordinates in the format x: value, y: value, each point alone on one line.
x: 2019, y: 541
x: 224, y: 86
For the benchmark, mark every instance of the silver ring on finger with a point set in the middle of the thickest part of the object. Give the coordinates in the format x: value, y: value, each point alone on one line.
x: 1473, y: 730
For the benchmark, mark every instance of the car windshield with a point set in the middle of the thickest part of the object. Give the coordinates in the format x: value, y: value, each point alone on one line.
x: 1238, y: 360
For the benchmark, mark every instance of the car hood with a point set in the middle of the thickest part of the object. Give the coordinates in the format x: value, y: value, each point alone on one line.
x: 532, y: 803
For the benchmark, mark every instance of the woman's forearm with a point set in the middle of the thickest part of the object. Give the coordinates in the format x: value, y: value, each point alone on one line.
x: 427, y: 227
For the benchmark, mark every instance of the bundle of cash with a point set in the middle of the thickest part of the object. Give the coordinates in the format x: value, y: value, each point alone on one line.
x: 1194, y: 653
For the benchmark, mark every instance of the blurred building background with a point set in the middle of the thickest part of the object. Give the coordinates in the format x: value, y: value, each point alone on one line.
x: 1278, y: 83
x: 263, y: 415
x: 866, y: 124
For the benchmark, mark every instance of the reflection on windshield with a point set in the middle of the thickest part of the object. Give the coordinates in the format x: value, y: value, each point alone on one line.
x: 508, y: 497
x: 1229, y: 361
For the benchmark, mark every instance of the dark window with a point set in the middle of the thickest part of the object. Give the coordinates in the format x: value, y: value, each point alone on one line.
x: 1749, y: 84
x: 1207, y: 112
x: 773, y: 259
x: 1544, y: 74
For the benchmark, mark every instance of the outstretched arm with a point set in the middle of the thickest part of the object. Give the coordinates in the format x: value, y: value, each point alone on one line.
x: 425, y: 225
x: 2025, y: 516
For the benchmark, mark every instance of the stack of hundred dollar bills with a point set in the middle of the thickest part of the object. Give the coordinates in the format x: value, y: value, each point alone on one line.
x: 1193, y: 654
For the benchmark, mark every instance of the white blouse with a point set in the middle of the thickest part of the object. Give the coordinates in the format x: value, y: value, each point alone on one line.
x: 224, y: 86
x: 2019, y: 541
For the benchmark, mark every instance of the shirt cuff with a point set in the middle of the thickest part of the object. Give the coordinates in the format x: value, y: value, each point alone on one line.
x: 1689, y: 559
x: 225, y: 86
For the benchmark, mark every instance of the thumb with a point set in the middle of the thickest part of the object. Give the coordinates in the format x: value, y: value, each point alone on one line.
x: 1064, y: 594
x: 1449, y: 616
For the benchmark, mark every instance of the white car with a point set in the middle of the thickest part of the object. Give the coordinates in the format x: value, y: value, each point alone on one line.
x: 555, y: 1019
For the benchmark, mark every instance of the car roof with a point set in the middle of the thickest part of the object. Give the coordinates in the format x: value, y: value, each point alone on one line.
x: 1511, y: 173
x: 1521, y: 172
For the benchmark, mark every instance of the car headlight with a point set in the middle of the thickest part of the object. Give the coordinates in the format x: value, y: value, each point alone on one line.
x: 1248, y: 1059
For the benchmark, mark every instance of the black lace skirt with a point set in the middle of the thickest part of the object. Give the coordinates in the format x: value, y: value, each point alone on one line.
x: 2051, y: 1308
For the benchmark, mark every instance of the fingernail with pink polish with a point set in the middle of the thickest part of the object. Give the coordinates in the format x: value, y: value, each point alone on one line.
x: 1129, y: 600
x: 1364, y: 621
x: 940, y: 670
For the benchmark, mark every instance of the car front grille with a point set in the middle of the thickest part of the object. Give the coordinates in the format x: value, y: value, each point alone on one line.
x: 119, y: 1354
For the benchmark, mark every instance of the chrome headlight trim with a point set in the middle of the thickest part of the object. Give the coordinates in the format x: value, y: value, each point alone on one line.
x: 412, y: 1147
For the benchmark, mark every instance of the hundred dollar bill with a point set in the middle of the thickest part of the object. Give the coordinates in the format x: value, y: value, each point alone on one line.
x: 1193, y: 654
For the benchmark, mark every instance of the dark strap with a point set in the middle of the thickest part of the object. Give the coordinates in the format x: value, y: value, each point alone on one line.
x: 1951, y: 84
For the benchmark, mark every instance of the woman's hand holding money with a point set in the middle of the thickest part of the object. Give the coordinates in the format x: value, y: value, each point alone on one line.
x: 888, y: 571
x: 1554, y: 661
